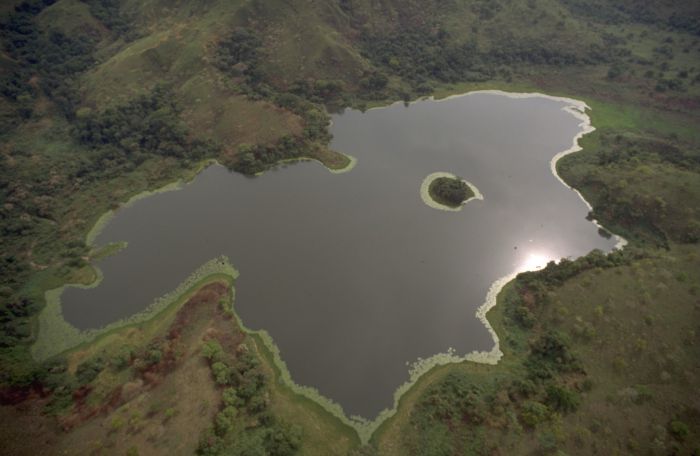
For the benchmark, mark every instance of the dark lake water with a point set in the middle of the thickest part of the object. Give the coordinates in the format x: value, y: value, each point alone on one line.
x: 352, y: 274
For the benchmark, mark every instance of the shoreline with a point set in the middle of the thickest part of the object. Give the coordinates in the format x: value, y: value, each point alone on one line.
x: 430, y: 202
x: 352, y: 162
x: 587, y: 127
x: 70, y: 337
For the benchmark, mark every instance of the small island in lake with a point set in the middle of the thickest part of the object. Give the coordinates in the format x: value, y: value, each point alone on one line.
x: 448, y: 192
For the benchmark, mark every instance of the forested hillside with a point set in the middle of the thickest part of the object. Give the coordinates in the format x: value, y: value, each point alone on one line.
x: 103, y: 99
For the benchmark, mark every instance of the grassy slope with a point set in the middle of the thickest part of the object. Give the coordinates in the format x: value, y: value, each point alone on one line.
x: 657, y: 353
x: 177, y: 50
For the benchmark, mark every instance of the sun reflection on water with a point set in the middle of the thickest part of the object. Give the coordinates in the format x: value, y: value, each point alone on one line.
x: 534, y: 261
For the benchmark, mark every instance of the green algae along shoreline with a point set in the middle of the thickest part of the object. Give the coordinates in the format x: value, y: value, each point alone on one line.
x: 56, y: 335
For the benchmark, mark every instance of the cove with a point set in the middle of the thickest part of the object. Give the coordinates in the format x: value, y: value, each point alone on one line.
x: 353, y: 275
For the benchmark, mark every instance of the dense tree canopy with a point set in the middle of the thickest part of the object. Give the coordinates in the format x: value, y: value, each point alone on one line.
x: 451, y: 191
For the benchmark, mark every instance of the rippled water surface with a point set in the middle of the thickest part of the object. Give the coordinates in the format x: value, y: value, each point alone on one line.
x: 352, y: 274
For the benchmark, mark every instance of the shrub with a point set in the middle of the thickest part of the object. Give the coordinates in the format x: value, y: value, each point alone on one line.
x: 121, y: 360
x: 534, y: 413
x: 116, y: 424
x: 454, y: 398
x: 154, y: 356
x: 678, y: 429
x: 523, y: 387
x: 250, y: 384
x: 209, y: 444
x: 563, y: 399
x: 644, y: 394
x: 283, y: 440
x: 212, y: 350
x: 231, y: 399
x: 257, y: 404
x: 549, y: 354
x: 222, y: 373
x: 224, y: 421
x: 524, y: 317
x: 169, y: 413
x: 89, y: 369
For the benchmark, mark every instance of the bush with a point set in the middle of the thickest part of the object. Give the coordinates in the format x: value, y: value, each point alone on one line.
x: 222, y: 373
x: 230, y: 398
x: 678, y: 429
x: 257, y: 404
x: 523, y: 387
x: 454, y: 398
x: 89, y: 369
x: 534, y: 413
x: 224, y: 421
x: 212, y: 350
x: 59, y: 402
x: 251, y: 383
x: 524, y: 316
x: 154, y: 356
x: 116, y: 424
x: 210, y: 444
x: 121, y: 360
x: 283, y: 440
x: 563, y: 399
x: 169, y: 413
x: 549, y: 354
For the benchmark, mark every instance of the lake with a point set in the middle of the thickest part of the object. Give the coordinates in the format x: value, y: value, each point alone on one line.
x: 353, y: 275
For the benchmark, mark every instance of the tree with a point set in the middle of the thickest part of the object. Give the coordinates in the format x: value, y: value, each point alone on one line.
x: 563, y: 399
x: 222, y: 373
x: 533, y: 413
x: 212, y: 350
